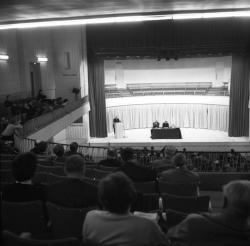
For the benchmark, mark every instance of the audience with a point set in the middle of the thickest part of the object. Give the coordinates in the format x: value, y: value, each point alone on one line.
x: 73, y: 149
x: 180, y: 174
x: 23, y: 170
x: 111, y: 160
x: 165, y: 163
x: 132, y: 169
x: 230, y: 225
x: 10, y: 130
x: 59, y: 152
x: 73, y: 191
x: 115, y: 225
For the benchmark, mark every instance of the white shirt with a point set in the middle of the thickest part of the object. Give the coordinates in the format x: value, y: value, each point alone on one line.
x: 103, y: 227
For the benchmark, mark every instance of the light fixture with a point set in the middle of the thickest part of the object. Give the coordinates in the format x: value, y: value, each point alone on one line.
x: 4, y: 57
x: 42, y: 59
x: 122, y: 19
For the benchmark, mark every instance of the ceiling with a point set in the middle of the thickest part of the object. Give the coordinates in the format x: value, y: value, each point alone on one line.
x: 24, y: 10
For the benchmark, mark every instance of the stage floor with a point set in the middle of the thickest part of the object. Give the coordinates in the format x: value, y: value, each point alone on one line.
x: 192, y: 140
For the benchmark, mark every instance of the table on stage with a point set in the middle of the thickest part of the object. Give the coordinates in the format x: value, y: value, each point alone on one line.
x: 166, y: 133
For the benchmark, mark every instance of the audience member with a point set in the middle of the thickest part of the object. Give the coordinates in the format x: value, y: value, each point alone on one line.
x: 180, y: 174
x: 59, y: 152
x: 133, y: 170
x: 111, y: 160
x: 165, y: 163
x: 73, y: 149
x: 74, y: 191
x: 23, y: 170
x: 230, y: 225
x: 115, y: 225
x: 10, y: 130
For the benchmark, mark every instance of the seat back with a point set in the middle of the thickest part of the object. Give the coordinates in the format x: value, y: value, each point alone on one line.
x: 5, y: 164
x: 146, y: 187
x: 178, y: 189
x: 58, y: 170
x: 6, y: 176
x: 11, y: 239
x: 186, y: 204
x: 24, y: 217
x: 107, y: 169
x: 95, y: 173
x: 66, y: 222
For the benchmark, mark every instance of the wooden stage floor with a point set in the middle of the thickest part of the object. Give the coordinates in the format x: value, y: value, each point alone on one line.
x: 192, y: 140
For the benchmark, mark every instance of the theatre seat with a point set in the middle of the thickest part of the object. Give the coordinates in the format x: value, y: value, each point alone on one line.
x: 12, y: 239
x: 66, y: 222
x: 146, y: 187
x: 58, y: 170
x: 21, y: 217
x: 178, y: 189
x: 95, y: 173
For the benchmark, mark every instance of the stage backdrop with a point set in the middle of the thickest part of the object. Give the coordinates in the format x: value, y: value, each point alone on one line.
x: 188, y: 111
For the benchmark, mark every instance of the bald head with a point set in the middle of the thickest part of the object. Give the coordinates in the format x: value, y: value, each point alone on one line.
x: 237, y: 195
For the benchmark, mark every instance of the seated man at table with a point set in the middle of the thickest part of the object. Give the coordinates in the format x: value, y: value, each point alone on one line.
x: 165, y: 124
x: 156, y: 124
x: 228, y: 227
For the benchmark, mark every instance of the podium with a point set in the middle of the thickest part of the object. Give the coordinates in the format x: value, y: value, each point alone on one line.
x: 119, y: 130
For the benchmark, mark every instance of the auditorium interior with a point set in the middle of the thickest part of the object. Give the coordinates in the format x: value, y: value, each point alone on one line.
x: 156, y: 88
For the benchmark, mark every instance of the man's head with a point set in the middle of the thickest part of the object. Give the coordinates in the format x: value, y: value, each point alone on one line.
x: 74, y: 166
x: 169, y: 151
x: 41, y: 147
x: 111, y: 154
x: 237, y: 197
x: 73, y: 147
x: 116, y: 193
x: 58, y: 150
x: 127, y: 154
x: 24, y: 166
x: 179, y: 160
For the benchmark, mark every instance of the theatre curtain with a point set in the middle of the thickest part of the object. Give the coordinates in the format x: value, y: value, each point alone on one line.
x: 199, y: 116
x: 239, y: 97
x: 97, y: 115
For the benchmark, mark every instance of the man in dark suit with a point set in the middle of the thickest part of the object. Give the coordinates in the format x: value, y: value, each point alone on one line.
x: 23, y: 190
x: 180, y: 174
x: 115, y: 120
x: 133, y: 169
x: 74, y: 191
x: 111, y: 160
x: 165, y: 124
x: 229, y: 226
x: 156, y: 124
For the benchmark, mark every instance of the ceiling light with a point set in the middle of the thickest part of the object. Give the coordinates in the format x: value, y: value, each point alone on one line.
x: 4, y: 57
x: 42, y: 59
x: 122, y: 19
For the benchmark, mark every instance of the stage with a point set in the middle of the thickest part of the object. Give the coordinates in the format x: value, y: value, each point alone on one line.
x: 192, y: 140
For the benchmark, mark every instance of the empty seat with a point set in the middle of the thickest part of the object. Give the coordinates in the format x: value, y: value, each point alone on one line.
x: 11, y: 239
x: 66, y: 222
x: 21, y: 217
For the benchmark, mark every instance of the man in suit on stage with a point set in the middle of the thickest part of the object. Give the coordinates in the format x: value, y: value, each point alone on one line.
x: 165, y: 124
x: 156, y: 124
x: 115, y: 120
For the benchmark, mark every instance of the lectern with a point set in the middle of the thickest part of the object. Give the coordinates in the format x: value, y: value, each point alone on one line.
x: 119, y: 130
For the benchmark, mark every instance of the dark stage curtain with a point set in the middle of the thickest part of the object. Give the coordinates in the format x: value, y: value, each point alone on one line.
x: 97, y: 115
x: 239, y: 97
